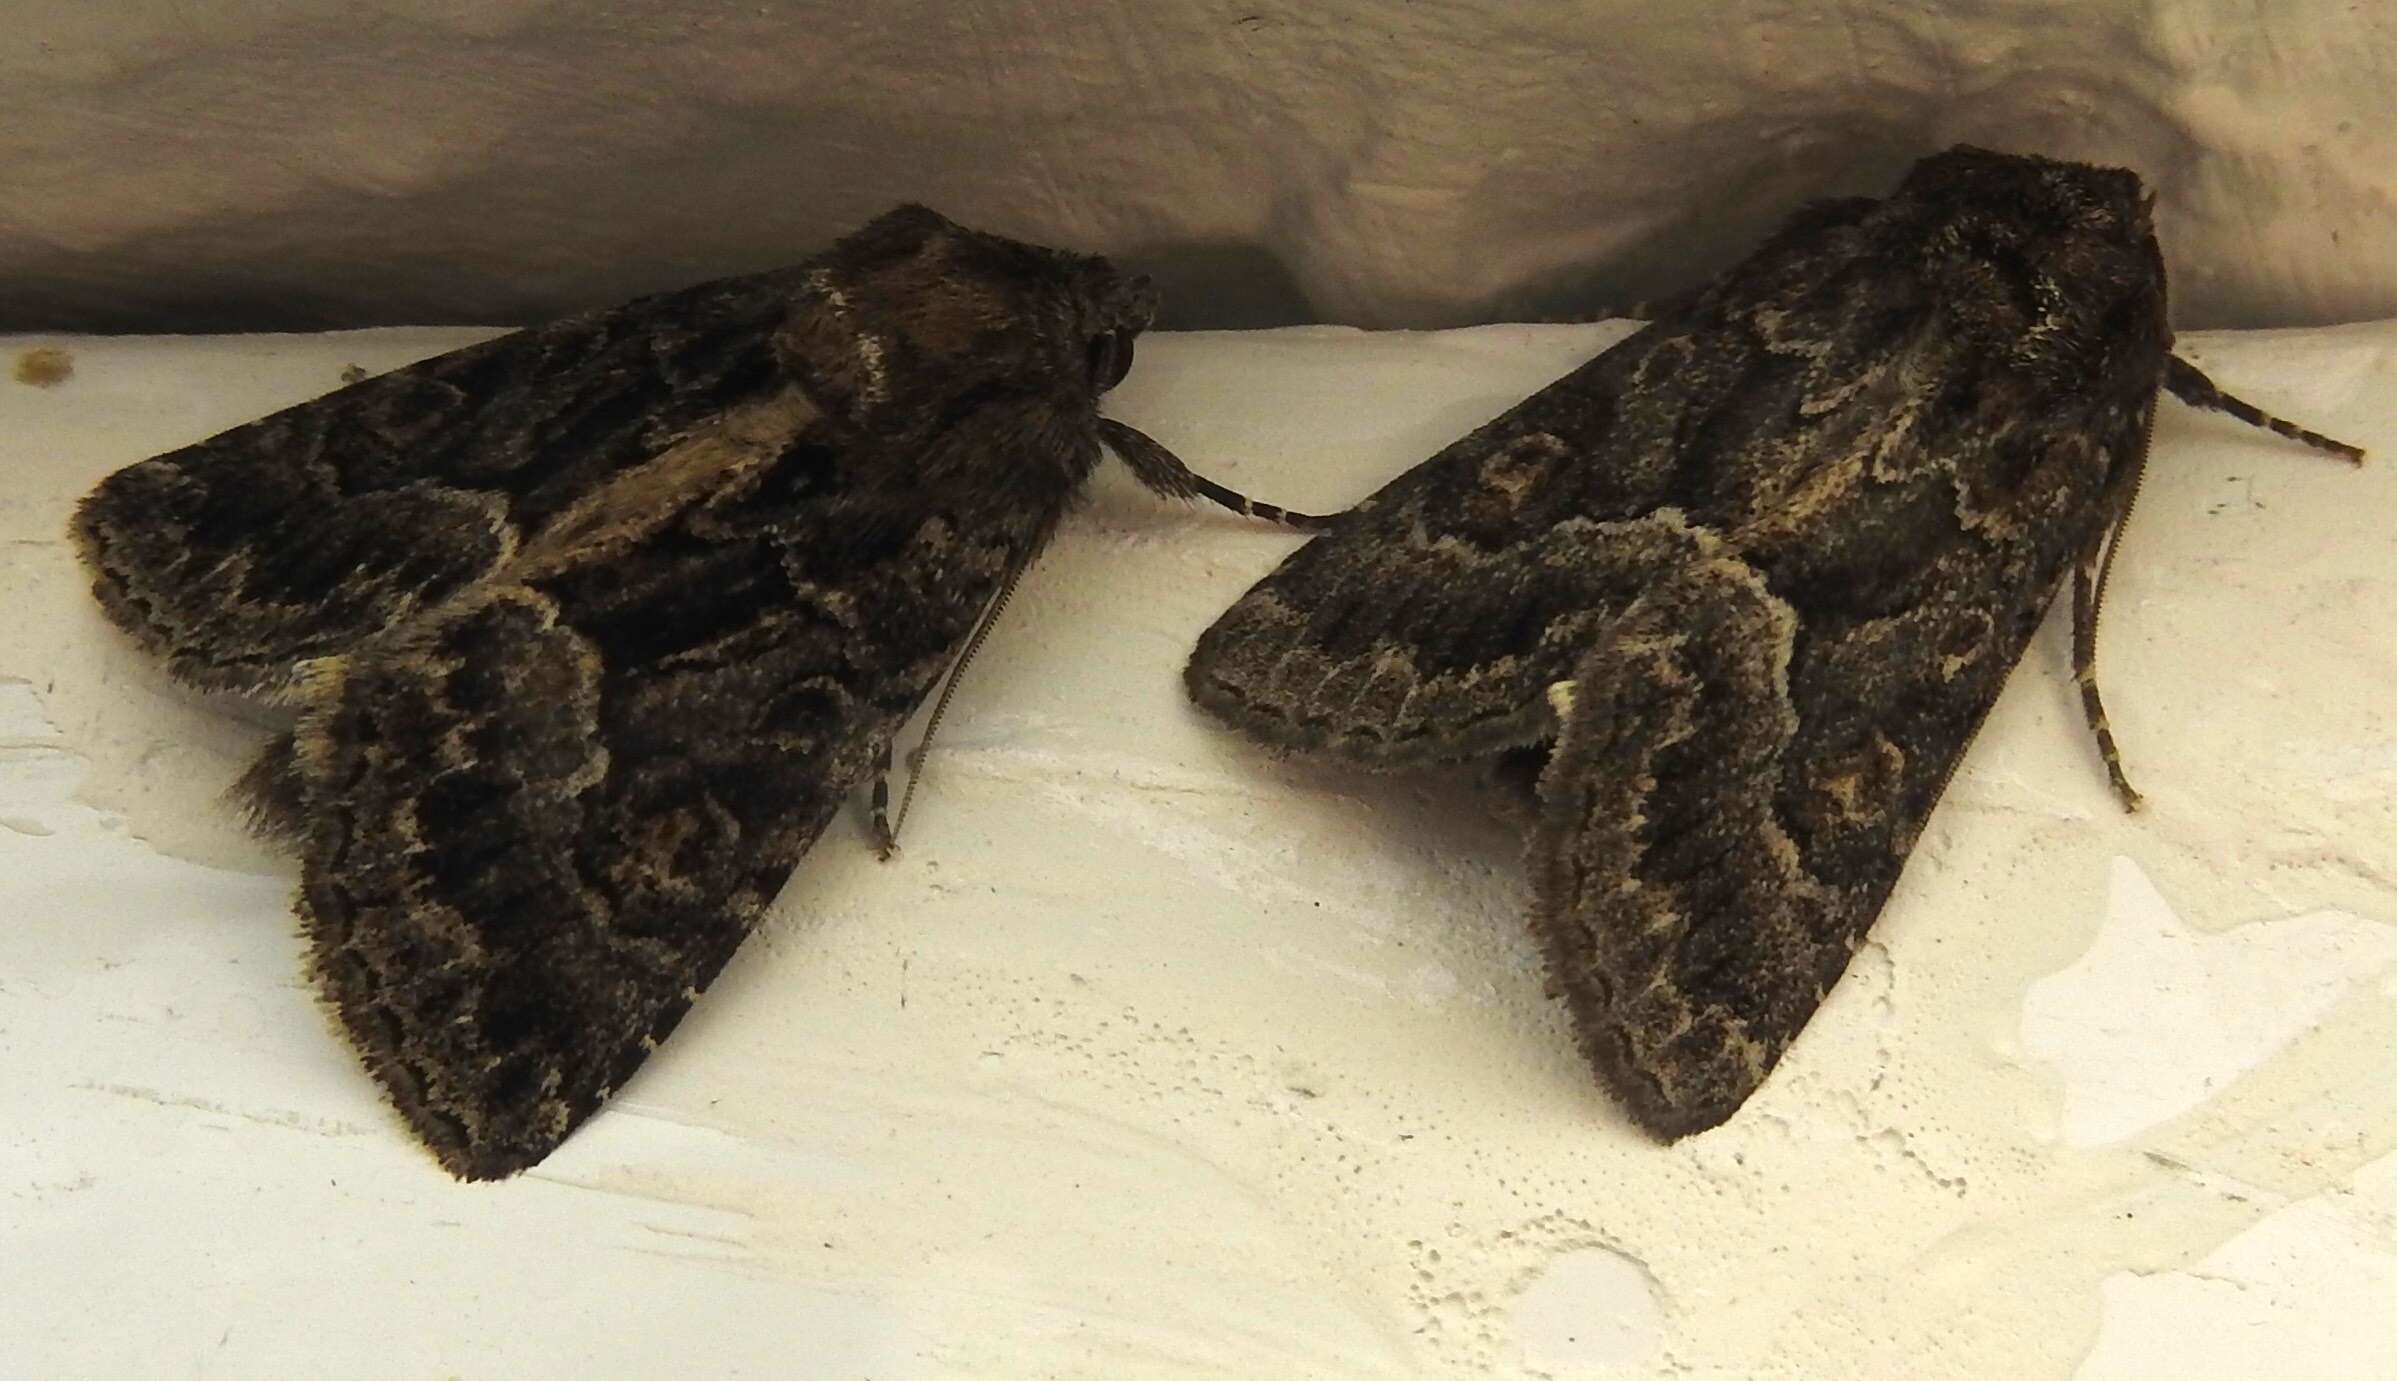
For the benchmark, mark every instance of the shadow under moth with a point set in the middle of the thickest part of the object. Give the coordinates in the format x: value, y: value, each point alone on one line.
x: 1734, y: 596
x: 591, y: 628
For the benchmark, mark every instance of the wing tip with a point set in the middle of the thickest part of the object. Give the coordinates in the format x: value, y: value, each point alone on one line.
x: 474, y: 1139
x: 472, y: 1135
x: 1667, y: 1104
x: 95, y: 530
x: 1673, y: 1084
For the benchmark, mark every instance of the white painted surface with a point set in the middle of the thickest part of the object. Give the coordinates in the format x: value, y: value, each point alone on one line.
x: 2303, y: 1295
x: 1153, y: 1057
x: 174, y: 164
x: 2156, y: 1018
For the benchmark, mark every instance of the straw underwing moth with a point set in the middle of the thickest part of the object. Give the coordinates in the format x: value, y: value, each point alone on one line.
x: 1735, y: 595
x: 590, y: 629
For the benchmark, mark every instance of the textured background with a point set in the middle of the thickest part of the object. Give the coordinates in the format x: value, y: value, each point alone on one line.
x: 234, y: 164
x: 1151, y: 1058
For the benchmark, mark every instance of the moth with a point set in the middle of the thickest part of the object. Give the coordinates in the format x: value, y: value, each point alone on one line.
x: 1734, y: 596
x: 591, y: 628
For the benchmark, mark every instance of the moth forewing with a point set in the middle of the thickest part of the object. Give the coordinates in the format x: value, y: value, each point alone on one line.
x: 1783, y: 545
x: 592, y: 627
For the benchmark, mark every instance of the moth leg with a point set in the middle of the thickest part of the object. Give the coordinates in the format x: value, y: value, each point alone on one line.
x: 886, y: 826
x: 1163, y: 471
x: 1247, y: 507
x: 886, y: 839
x: 2087, y: 586
x: 2189, y: 384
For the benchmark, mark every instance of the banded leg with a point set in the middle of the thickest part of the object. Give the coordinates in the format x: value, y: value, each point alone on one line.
x: 886, y: 839
x: 2086, y: 586
x: 1163, y: 471
x: 2189, y: 384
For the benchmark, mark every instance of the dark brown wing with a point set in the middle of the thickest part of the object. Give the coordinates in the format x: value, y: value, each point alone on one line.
x: 296, y: 535
x: 1750, y: 579
x: 1427, y: 625
x: 1742, y: 767
x: 593, y: 628
x: 541, y: 820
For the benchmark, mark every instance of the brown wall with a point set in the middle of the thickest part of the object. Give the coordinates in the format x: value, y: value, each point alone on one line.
x: 216, y: 164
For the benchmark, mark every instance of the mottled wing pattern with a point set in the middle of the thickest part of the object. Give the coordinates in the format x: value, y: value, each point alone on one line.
x: 1742, y: 766
x: 1750, y: 580
x: 592, y: 628
x: 1429, y: 623
x: 1744, y: 762
x: 294, y: 536
x: 554, y: 810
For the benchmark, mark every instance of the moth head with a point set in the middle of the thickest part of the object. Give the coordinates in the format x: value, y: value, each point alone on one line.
x: 898, y: 321
x: 2048, y: 265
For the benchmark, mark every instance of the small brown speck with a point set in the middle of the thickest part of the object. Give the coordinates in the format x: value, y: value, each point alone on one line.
x: 353, y: 373
x: 45, y: 367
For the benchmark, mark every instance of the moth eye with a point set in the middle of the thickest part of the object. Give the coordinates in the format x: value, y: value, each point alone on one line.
x: 1110, y: 359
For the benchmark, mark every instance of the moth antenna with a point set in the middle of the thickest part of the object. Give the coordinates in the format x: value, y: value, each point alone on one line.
x: 1163, y: 471
x: 888, y: 842
x: 2189, y: 384
x: 2114, y: 530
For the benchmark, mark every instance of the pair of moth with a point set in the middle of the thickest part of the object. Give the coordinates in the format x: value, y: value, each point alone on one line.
x: 590, y: 629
